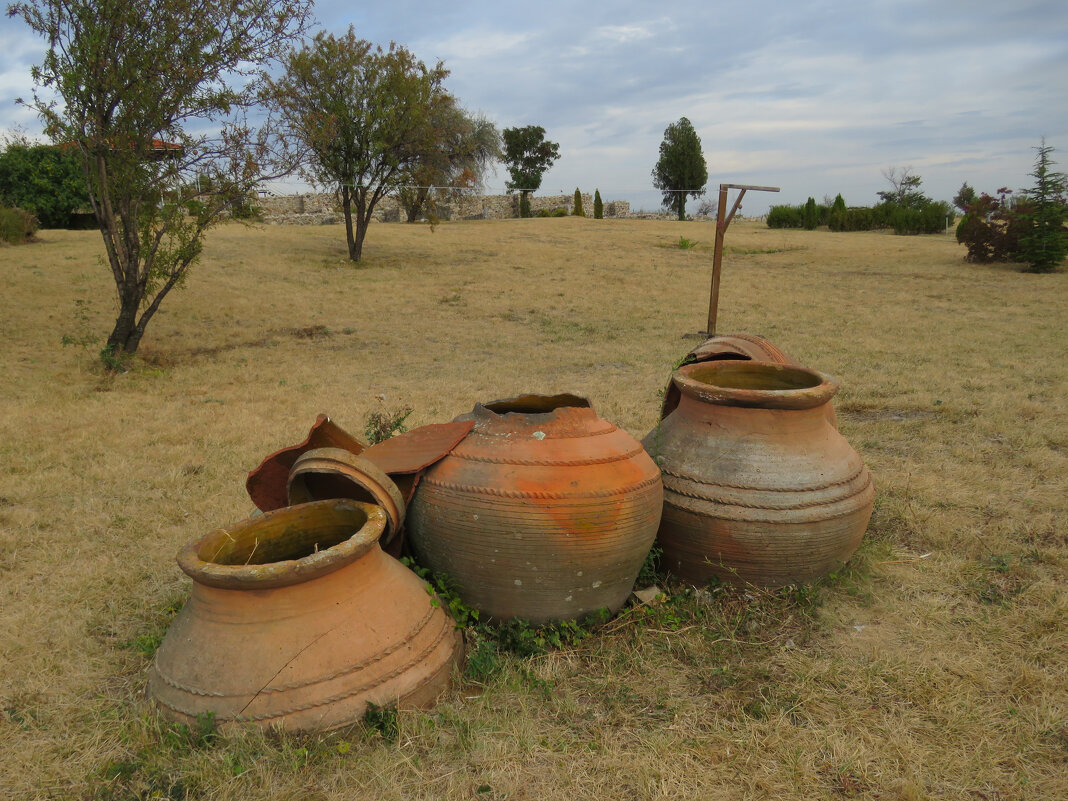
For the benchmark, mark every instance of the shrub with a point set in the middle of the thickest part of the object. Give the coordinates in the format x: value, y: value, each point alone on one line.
x: 598, y: 206
x: 45, y: 180
x: 786, y: 217
x: 992, y: 227
x: 858, y: 218
x: 16, y: 226
x: 578, y: 210
x: 928, y: 218
x: 810, y: 216
x: 838, y: 207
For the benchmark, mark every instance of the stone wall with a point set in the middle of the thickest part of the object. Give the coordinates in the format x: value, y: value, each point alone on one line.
x: 323, y: 208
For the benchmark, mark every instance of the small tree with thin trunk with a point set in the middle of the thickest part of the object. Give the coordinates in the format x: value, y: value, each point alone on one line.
x: 528, y: 154
x: 680, y: 172
x: 363, y: 117
x: 133, y: 80
x: 1045, y: 243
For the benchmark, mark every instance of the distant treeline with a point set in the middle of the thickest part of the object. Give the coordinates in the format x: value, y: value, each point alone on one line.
x: 919, y: 215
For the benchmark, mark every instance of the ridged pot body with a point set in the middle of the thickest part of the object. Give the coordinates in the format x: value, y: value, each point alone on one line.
x: 544, y: 511
x: 303, y: 643
x: 759, y: 486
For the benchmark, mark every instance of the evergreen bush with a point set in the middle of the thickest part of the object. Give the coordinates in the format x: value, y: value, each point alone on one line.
x: 786, y: 217
x: 810, y: 216
x: 598, y: 206
x: 578, y: 210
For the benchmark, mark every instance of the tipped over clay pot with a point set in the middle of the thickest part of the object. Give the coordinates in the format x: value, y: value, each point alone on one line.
x: 298, y: 619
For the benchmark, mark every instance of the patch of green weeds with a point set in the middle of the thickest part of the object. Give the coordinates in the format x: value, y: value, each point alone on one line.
x: 84, y: 336
x: 650, y: 571
x: 382, y: 720
x: 686, y: 244
x: 1001, y: 578
x: 382, y: 424
x: 183, y: 737
x: 147, y: 642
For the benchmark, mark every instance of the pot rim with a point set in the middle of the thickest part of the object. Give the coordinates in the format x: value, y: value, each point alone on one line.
x: 526, y: 405
x: 811, y: 389
x: 371, y: 520
x: 362, y: 473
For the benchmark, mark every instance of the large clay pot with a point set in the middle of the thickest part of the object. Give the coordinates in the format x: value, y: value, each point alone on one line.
x: 297, y: 618
x: 544, y: 511
x: 759, y: 486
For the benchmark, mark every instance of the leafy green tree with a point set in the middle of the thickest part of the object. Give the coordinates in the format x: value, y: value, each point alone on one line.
x: 598, y: 205
x: 363, y: 117
x: 577, y: 209
x: 45, y: 180
x: 964, y: 198
x: 528, y: 154
x: 1045, y: 243
x: 811, y: 215
x: 680, y: 171
x: 460, y: 149
x: 133, y: 81
x: 839, y: 206
x: 905, y: 188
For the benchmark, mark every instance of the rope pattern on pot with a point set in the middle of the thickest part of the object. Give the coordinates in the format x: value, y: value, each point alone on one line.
x: 415, y: 631
x: 332, y: 699
x: 550, y: 462
x: 537, y: 495
x: 813, y: 488
x: 705, y: 496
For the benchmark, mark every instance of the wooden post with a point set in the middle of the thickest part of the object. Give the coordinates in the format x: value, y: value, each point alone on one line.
x: 722, y: 221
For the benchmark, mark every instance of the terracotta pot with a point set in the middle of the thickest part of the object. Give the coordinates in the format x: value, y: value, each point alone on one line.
x: 325, y: 473
x: 297, y: 618
x: 759, y: 486
x: 544, y: 511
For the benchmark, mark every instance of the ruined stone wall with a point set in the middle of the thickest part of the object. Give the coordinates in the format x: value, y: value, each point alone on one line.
x: 323, y: 208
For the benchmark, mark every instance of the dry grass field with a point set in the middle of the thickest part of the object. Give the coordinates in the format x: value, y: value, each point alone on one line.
x: 934, y: 667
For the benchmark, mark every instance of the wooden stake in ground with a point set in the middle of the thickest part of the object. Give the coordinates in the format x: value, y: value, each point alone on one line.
x: 717, y: 255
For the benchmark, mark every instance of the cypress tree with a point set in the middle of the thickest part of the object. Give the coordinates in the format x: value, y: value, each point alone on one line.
x: 811, y: 215
x: 1045, y: 244
x: 578, y: 211
x: 598, y: 206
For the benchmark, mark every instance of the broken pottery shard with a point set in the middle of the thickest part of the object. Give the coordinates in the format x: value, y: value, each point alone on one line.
x: 648, y: 595
x: 416, y: 450
x: 266, y: 484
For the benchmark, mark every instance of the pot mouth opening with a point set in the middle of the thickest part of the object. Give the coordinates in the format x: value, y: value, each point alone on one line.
x: 289, y: 541
x: 536, y: 404
x: 286, y: 546
x: 749, y: 375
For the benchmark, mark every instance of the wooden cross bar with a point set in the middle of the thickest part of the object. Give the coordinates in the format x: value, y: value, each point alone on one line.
x: 722, y: 221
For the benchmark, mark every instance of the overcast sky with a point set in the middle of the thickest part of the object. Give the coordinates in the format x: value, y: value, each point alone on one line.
x: 815, y: 97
